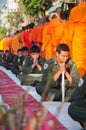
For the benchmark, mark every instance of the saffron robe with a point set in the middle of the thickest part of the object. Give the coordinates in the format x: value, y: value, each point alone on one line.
x: 77, y: 34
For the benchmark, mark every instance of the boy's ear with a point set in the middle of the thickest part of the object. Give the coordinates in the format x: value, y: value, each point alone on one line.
x: 56, y: 53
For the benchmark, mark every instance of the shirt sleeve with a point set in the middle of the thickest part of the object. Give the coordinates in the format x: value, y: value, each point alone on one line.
x: 27, y: 69
x: 75, y: 76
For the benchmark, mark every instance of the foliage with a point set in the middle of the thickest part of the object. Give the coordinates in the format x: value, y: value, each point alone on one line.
x: 17, y: 18
x: 37, y: 7
x: 2, y: 31
x: 14, y: 18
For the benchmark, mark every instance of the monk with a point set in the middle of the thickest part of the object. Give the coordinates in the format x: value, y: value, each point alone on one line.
x: 25, y: 38
x: 7, y: 44
x: 53, y: 33
x: 77, y: 34
x: 65, y: 37
x: 36, y: 34
x: 46, y: 48
x: 16, y: 43
x: 1, y: 43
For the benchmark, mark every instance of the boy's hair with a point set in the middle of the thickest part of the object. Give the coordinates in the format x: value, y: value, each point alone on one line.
x: 62, y: 47
x: 1, y: 51
x: 7, y: 51
x: 34, y: 49
x: 19, y: 50
x: 25, y: 49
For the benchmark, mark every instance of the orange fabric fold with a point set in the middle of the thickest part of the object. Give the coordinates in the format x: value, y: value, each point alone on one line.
x: 77, y: 34
x: 16, y: 43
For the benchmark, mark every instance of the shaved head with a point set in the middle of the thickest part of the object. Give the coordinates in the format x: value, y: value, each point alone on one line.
x: 82, y: 1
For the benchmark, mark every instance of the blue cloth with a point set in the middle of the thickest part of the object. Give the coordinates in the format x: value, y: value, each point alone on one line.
x: 55, y: 7
x: 33, y: 43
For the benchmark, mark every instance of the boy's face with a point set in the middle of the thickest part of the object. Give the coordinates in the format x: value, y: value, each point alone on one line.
x: 19, y: 53
x: 1, y: 53
x: 6, y: 53
x: 62, y: 57
x: 25, y: 53
x: 35, y: 55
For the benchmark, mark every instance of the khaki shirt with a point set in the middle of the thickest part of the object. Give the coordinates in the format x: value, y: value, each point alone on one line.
x: 51, y: 68
x: 27, y: 65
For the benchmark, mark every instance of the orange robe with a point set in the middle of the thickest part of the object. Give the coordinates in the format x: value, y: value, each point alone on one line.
x: 1, y: 43
x: 77, y: 34
x: 36, y: 34
x: 25, y: 38
x: 16, y: 43
x: 46, y: 42
x: 65, y: 37
x: 55, y: 31
x: 7, y: 44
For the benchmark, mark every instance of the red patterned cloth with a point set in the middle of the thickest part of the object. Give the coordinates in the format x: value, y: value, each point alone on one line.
x: 9, y: 90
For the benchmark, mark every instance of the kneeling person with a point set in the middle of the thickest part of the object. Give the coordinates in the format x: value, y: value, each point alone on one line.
x: 33, y: 64
x: 52, y: 75
x: 77, y: 108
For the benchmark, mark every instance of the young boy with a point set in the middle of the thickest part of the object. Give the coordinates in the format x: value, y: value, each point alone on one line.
x: 52, y: 75
x: 32, y: 64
